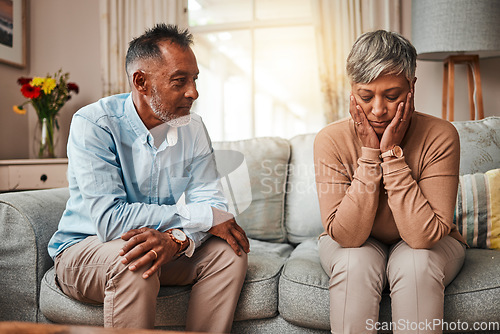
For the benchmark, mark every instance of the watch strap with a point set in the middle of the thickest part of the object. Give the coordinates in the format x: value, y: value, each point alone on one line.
x: 396, y: 151
x: 386, y: 154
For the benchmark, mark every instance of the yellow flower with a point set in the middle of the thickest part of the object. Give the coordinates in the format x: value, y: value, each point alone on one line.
x: 48, y: 85
x: 20, y: 110
x: 37, y: 81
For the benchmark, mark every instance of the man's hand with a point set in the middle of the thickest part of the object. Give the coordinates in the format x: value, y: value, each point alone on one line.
x: 146, y: 245
x: 225, y: 227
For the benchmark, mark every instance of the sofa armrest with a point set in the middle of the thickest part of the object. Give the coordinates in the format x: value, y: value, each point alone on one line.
x: 27, y: 221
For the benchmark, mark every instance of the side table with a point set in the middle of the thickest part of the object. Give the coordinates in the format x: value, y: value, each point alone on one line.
x: 31, y: 174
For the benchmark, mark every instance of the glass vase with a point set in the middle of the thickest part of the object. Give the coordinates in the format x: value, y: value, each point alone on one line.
x: 46, y: 137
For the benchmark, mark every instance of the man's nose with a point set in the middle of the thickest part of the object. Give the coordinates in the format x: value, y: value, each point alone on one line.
x: 192, y: 92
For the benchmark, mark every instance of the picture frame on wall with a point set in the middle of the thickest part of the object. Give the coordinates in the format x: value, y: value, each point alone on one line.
x: 13, y: 32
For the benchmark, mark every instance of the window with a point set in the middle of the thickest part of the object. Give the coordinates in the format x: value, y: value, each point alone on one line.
x: 258, y: 68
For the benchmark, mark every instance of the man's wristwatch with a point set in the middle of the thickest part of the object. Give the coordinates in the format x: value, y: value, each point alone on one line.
x: 179, y: 237
x: 396, y: 151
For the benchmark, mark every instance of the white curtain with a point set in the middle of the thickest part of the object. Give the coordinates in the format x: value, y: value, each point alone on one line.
x: 338, y: 23
x: 121, y: 21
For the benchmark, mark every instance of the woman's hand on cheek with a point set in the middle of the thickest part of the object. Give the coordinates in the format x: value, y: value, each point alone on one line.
x: 364, y: 130
x: 396, y: 130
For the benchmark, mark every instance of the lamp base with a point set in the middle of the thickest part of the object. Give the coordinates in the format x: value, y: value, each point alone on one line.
x: 474, y: 83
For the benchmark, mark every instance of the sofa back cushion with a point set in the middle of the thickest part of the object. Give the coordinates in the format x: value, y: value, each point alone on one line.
x: 302, y: 216
x: 479, y: 145
x: 253, y: 174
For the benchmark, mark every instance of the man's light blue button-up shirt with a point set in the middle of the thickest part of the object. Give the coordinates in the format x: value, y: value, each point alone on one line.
x: 120, y: 180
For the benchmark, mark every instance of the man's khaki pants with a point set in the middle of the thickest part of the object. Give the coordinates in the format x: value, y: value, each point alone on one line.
x: 91, y: 271
x: 416, y: 277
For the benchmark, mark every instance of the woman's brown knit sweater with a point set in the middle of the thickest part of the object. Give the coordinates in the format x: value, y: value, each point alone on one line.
x: 410, y: 198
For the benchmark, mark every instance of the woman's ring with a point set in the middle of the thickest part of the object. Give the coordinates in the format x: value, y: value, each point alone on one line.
x: 402, y: 120
x: 358, y: 123
x: 156, y: 254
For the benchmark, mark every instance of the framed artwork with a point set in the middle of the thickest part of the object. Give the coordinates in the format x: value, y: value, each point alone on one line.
x: 13, y: 32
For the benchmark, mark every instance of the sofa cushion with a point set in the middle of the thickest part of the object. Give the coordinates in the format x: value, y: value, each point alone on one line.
x: 253, y: 174
x: 259, y: 295
x: 477, y: 213
x: 475, y: 292
x: 304, y: 284
x: 479, y: 145
x: 469, y: 298
x: 258, y: 299
x: 302, y: 216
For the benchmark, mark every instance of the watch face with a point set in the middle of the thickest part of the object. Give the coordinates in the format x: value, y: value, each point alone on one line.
x: 178, y: 234
x: 398, y: 152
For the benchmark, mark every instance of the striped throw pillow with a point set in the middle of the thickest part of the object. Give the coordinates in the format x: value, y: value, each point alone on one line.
x: 477, y: 213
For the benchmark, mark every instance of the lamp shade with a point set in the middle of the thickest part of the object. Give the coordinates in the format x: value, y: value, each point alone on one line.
x: 441, y: 28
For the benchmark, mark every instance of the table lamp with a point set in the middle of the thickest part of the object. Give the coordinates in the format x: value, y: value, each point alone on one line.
x: 457, y: 32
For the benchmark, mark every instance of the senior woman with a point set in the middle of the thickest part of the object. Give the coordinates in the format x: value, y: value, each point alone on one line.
x: 387, y: 181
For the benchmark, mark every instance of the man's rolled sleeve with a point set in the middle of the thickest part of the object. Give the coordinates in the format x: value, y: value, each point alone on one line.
x: 195, y: 216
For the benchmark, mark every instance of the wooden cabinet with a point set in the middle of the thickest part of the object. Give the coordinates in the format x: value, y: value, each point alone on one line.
x: 30, y: 174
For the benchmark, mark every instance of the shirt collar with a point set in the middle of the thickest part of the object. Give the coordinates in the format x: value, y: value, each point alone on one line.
x: 135, y: 121
x: 164, y: 132
x: 172, y: 136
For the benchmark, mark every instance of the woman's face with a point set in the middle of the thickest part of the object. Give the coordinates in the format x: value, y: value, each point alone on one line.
x: 379, y: 99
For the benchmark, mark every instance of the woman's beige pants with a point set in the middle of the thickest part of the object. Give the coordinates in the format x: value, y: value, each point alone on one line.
x: 417, y: 278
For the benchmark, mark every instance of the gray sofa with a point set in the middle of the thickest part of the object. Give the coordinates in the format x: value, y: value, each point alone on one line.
x: 270, y: 186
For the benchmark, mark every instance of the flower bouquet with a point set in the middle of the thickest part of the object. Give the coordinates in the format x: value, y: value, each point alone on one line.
x: 47, y: 96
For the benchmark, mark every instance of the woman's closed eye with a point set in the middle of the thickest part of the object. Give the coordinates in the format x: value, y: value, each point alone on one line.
x: 392, y: 98
x: 366, y: 98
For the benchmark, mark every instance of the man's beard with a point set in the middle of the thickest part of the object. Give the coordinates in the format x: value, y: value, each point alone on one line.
x: 180, y: 121
x: 160, y: 112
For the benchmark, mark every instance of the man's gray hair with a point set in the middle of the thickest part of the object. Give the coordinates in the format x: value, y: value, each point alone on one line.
x: 146, y: 45
x: 379, y: 53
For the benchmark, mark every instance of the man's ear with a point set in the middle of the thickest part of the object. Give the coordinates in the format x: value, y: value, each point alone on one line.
x: 139, y: 81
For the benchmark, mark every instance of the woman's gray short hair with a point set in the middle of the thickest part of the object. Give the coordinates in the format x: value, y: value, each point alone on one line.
x: 379, y: 53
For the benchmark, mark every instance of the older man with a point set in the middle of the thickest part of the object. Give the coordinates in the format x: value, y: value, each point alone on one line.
x: 124, y: 232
